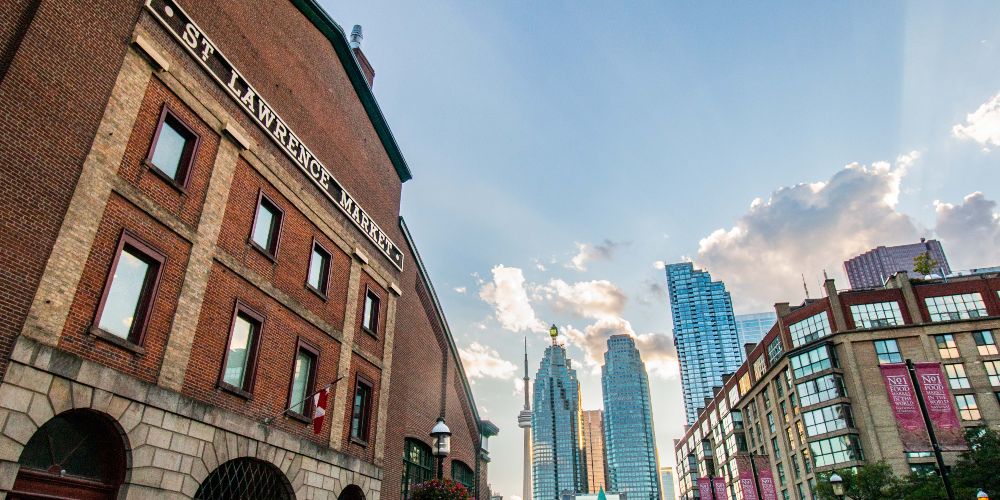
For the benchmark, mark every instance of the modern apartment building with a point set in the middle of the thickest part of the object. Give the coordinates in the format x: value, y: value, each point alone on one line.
x: 557, y: 462
x: 667, y: 483
x: 872, y: 268
x: 593, y: 450
x: 705, y: 334
x: 628, y: 422
x: 812, y: 396
x: 751, y: 328
x: 201, y: 229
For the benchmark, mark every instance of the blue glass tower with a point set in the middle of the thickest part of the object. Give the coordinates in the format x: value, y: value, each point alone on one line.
x: 628, y: 422
x: 752, y: 327
x: 557, y: 467
x: 708, y: 344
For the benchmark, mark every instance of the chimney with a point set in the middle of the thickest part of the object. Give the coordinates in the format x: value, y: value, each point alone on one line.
x: 366, y: 67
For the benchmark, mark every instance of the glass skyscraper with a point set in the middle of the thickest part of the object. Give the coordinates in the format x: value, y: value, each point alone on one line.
x: 557, y: 465
x: 628, y: 422
x: 708, y: 343
x: 752, y: 327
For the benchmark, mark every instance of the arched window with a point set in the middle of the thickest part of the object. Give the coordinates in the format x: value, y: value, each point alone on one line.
x: 245, y: 478
x: 418, y: 464
x: 463, y: 474
x: 351, y: 492
x: 78, y: 453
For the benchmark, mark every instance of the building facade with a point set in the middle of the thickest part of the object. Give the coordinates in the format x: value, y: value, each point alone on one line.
x: 628, y: 422
x: 751, y: 328
x: 667, y: 482
x: 196, y: 240
x: 594, y: 451
x: 708, y: 344
x: 557, y: 464
x: 872, y: 268
x: 811, y: 397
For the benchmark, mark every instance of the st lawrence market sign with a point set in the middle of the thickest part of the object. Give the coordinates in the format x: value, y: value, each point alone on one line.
x: 201, y: 48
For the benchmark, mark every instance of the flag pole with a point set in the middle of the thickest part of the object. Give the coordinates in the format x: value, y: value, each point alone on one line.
x: 268, y: 420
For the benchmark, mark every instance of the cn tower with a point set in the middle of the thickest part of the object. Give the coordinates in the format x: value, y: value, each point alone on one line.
x: 524, y: 422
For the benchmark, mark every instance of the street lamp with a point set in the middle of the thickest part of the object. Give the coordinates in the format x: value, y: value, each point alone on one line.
x: 982, y: 495
x: 442, y: 444
x: 837, y: 483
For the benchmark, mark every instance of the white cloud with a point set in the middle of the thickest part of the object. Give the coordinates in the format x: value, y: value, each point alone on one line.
x: 656, y: 350
x: 460, y: 289
x: 982, y: 125
x: 589, y: 299
x: 507, y: 294
x: 806, y: 229
x: 970, y: 231
x: 483, y: 362
x: 659, y: 265
x: 518, y: 386
x: 586, y: 252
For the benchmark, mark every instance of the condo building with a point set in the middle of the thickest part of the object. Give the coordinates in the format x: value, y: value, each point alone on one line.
x: 872, y: 268
x: 812, y: 396
x: 594, y: 450
x: 557, y: 459
x: 751, y: 328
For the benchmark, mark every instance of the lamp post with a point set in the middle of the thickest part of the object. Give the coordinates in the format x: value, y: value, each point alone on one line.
x: 837, y: 483
x: 442, y: 444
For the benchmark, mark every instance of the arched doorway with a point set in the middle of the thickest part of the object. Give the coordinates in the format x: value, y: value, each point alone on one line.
x: 352, y: 492
x: 242, y: 478
x: 78, y: 454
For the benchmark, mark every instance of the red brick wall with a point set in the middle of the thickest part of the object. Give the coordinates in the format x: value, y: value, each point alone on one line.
x: 372, y: 344
x: 361, y: 367
x: 52, y: 97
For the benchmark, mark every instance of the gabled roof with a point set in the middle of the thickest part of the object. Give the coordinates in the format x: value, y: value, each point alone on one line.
x: 333, y: 32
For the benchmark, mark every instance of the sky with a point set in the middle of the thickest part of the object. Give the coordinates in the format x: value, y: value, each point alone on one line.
x: 562, y: 152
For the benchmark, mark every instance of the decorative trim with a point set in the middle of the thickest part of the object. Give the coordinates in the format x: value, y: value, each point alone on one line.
x: 159, y: 62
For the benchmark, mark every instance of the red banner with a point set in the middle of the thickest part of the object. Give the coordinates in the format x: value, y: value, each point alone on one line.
x: 940, y: 407
x: 705, y: 488
x: 747, y: 484
x: 903, y: 401
x: 768, y: 491
x: 720, y: 488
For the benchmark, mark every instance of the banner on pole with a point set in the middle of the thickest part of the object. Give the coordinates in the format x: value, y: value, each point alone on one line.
x: 720, y: 488
x: 747, y: 484
x: 903, y: 401
x: 705, y: 488
x: 940, y: 407
x: 768, y: 491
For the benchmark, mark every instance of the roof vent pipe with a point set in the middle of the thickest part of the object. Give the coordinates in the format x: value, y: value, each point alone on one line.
x: 356, y: 37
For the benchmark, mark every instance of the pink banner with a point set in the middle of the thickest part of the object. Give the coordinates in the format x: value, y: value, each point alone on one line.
x: 903, y: 401
x: 705, y: 488
x: 747, y: 485
x: 767, y: 489
x: 720, y: 488
x: 940, y: 407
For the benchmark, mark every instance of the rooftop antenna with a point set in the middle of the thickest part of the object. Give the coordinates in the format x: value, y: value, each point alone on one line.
x: 804, y: 287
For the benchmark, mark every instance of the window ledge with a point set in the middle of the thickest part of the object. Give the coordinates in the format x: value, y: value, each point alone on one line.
x: 298, y: 416
x: 316, y: 291
x: 369, y: 331
x: 116, y: 340
x: 270, y: 256
x: 179, y: 187
x: 236, y: 391
x: 360, y: 442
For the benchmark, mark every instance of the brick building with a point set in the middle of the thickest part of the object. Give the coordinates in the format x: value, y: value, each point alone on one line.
x: 810, y: 398
x: 200, y: 213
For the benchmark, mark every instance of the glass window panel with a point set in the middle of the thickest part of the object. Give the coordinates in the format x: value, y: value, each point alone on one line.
x: 888, y: 351
x: 370, y: 318
x: 809, y: 329
x: 993, y: 372
x: 985, y: 342
x: 811, y: 361
x: 956, y: 307
x: 947, y: 347
x: 877, y: 315
x: 265, y: 228
x: 300, y: 382
x: 956, y: 376
x: 967, y: 408
x: 238, y: 359
x: 125, y: 295
x: 319, y: 264
x: 169, y: 149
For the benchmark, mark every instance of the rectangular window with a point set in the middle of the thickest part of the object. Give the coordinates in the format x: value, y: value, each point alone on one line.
x: 956, y: 376
x: 240, y: 360
x: 821, y: 389
x: 774, y: 349
x: 362, y: 410
x: 810, y: 329
x: 759, y: 367
x: 877, y: 315
x: 781, y: 473
x: 985, y: 342
x: 369, y: 320
x: 744, y: 383
x: 303, y: 380
x: 954, y: 307
x: 774, y: 446
x: 993, y: 371
x: 968, y: 410
x: 770, y: 423
x: 129, y: 290
x: 172, y: 151
x: 319, y: 269
x: 267, y: 225
x: 946, y: 345
x: 836, y: 450
x: 888, y: 351
x: 827, y: 419
x: 811, y: 361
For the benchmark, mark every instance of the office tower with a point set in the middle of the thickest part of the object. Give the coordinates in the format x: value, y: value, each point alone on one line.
x: 872, y: 268
x: 752, y: 327
x: 708, y: 344
x: 667, y: 482
x: 628, y: 422
x: 593, y: 450
x: 557, y: 466
x: 524, y: 422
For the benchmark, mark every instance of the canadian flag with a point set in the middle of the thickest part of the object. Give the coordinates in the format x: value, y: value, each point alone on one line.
x: 319, y: 409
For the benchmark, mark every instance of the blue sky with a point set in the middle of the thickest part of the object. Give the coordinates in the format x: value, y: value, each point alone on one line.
x: 625, y: 134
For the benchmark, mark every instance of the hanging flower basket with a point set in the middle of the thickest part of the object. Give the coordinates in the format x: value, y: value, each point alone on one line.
x: 439, y: 489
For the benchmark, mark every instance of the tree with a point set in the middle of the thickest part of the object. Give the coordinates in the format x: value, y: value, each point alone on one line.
x: 871, y: 482
x: 924, y: 264
x: 978, y: 467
